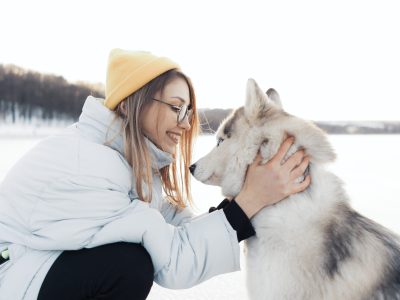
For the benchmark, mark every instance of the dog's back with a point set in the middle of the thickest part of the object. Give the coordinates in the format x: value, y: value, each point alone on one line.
x: 315, y: 246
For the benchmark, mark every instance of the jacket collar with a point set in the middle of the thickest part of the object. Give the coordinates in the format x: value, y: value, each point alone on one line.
x: 99, y: 124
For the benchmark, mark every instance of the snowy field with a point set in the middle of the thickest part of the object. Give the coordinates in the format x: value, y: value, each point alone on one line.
x: 368, y: 164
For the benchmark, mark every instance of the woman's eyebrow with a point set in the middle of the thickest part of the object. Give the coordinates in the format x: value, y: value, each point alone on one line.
x: 179, y: 98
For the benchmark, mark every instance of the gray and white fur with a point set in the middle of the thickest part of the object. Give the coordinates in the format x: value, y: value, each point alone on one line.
x: 312, y: 245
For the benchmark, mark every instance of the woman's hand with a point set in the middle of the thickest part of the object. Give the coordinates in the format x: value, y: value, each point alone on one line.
x: 272, y: 182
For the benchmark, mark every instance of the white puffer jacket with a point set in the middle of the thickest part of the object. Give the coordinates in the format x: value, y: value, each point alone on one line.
x: 72, y: 191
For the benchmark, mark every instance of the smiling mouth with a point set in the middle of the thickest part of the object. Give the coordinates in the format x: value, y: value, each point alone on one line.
x: 174, y: 137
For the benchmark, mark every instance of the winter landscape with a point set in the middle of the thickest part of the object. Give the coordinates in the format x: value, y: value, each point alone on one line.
x: 368, y: 164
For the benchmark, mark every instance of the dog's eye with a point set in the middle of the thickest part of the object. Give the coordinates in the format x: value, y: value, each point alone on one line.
x: 220, y: 140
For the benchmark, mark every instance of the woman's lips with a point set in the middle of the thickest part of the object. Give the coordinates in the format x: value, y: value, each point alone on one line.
x: 174, y: 137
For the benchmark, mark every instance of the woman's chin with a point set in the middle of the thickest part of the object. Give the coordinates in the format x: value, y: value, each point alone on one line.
x: 168, y: 147
x: 170, y: 150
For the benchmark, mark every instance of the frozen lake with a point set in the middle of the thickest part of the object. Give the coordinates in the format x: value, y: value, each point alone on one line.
x: 368, y: 164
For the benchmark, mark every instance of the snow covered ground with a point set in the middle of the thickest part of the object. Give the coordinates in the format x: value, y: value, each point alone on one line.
x: 368, y: 164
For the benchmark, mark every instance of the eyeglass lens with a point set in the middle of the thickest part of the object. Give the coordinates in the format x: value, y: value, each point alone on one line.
x: 183, y: 113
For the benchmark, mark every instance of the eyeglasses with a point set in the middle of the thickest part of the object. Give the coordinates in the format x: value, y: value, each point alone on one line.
x: 182, y: 111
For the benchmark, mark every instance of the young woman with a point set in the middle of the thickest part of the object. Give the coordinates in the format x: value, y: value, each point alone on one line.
x: 99, y: 211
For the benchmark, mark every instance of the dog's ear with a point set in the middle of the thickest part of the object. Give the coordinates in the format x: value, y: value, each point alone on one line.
x: 256, y: 100
x: 274, y: 97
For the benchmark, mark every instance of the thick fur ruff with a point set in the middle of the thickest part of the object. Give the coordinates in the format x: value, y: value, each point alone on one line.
x: 312, y: 245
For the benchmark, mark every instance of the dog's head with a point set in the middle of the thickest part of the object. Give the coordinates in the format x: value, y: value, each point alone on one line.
x: 261, y: 125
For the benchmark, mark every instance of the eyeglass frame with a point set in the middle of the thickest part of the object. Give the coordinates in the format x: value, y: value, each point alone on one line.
x: 178, y: 110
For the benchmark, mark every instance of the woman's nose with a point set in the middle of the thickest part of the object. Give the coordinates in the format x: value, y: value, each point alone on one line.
x: 185, y: 124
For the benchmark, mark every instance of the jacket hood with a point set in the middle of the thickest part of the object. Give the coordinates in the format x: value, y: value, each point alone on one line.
x: 99, y: 124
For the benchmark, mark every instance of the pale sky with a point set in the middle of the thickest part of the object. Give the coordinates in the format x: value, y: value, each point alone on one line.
x: 329, y: 60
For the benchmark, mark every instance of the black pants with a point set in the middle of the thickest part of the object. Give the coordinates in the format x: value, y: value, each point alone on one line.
x: 114, y: 271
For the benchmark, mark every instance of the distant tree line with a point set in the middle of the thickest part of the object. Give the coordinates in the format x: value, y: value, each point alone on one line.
x: 27, y: 95
x: 211, y: 118
x: 361, y: 127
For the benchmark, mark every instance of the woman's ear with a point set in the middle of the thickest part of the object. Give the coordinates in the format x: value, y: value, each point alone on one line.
x: 122, y: 108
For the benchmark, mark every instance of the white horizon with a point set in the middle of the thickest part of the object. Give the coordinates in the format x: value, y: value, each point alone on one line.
x: 328, y: 61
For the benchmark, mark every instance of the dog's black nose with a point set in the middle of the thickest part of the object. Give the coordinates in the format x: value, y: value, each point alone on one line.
x: 192, y: 168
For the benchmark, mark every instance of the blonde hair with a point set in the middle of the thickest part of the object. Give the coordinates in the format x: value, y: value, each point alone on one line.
x: 175, y: 177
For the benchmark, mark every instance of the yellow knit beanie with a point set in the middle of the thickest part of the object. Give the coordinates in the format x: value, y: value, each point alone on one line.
x: 128, y: 71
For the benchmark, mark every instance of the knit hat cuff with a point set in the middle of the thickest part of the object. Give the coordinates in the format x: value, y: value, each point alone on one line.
x: 137, y: 79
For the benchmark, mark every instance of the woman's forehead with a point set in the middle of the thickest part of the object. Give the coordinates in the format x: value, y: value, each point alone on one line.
x: 177, y: 89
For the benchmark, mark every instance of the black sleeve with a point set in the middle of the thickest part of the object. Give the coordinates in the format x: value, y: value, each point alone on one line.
x: 237, y: 218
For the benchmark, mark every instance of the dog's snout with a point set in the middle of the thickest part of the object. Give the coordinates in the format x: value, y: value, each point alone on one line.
x: 192, y: 168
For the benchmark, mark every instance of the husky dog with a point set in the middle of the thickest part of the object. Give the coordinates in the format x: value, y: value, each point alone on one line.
x: 312, y: 245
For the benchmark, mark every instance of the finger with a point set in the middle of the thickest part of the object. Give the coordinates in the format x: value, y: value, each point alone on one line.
x: 300, y: 169
x: 257, y: 160
x: 294, y: 160
x: 302, y: 186
x: 283, y: 149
